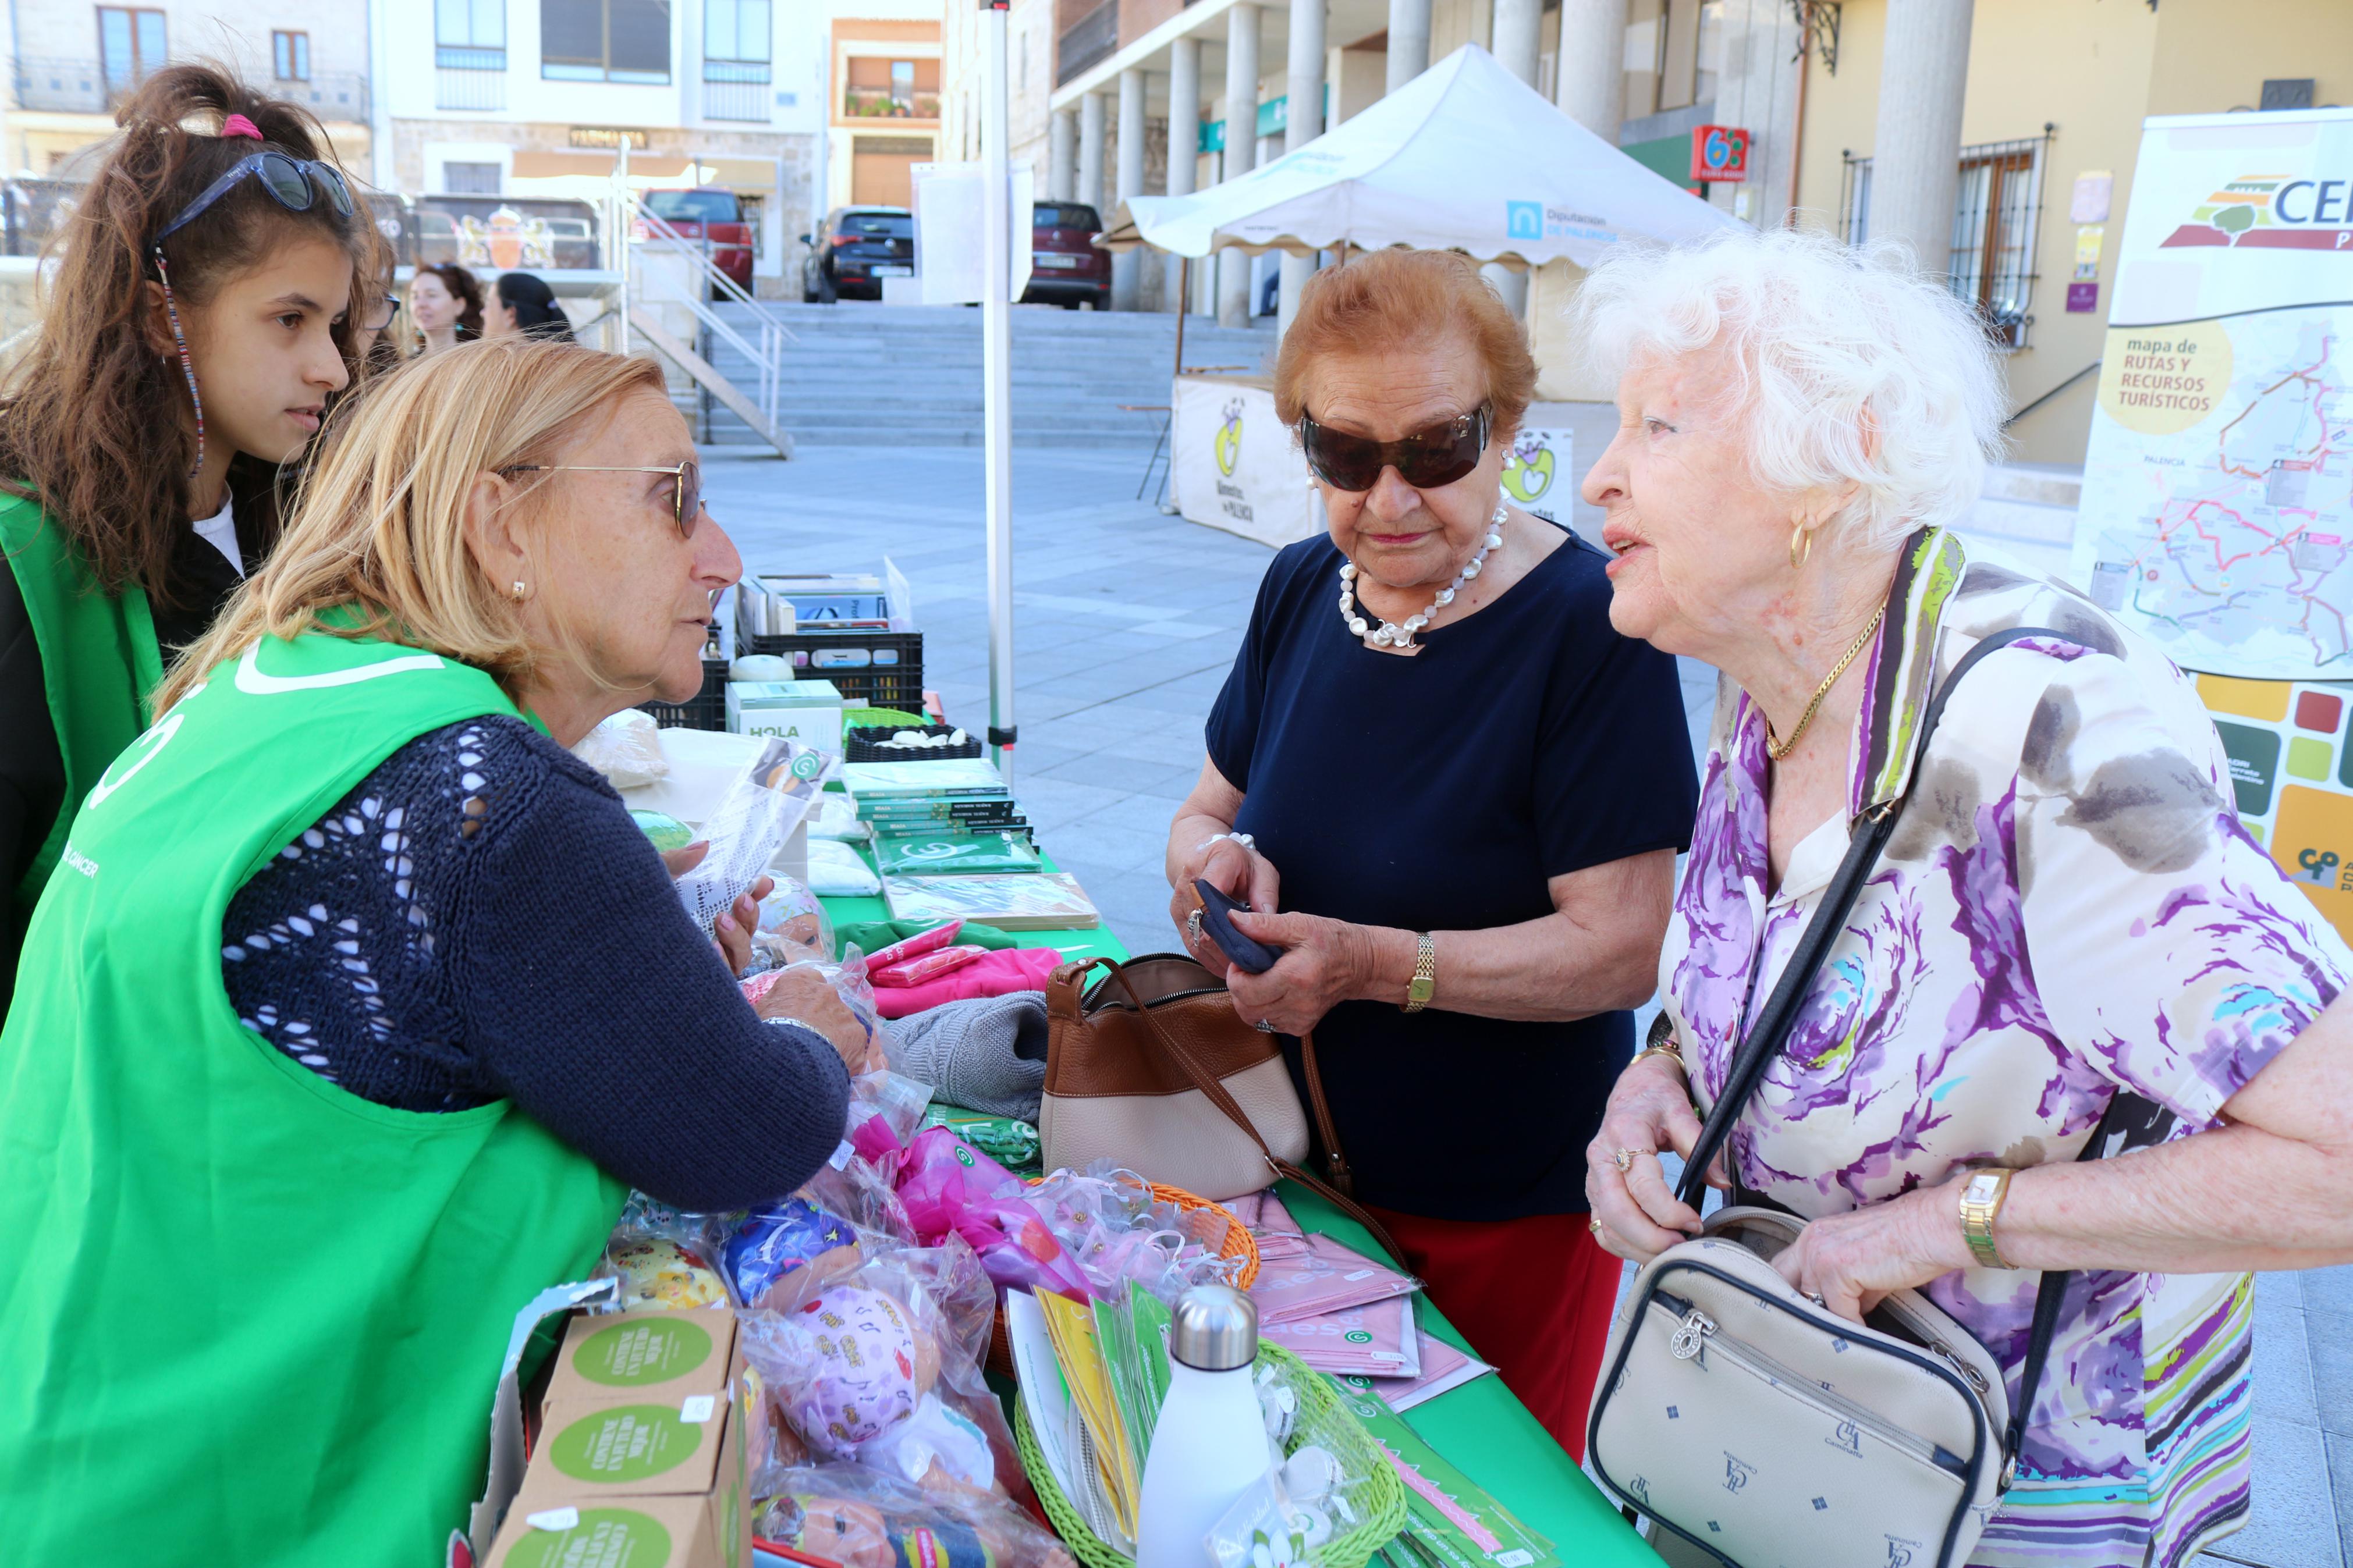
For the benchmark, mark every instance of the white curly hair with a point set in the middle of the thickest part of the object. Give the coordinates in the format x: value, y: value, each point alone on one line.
x: 1847, y: 365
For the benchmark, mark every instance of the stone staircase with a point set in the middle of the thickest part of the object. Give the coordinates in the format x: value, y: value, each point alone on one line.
x: 864, y: 375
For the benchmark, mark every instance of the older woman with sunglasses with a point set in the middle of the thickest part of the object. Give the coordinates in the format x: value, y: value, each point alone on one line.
x: 358, y: 1004
x: 1454, y: 796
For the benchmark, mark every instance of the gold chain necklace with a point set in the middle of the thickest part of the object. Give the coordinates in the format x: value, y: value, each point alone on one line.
x: 1778, y: 749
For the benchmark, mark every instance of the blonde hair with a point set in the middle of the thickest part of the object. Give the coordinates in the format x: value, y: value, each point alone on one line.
x: 379, y: 523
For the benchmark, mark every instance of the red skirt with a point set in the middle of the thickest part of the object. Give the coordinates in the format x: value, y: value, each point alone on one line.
x: 1534, y: 1298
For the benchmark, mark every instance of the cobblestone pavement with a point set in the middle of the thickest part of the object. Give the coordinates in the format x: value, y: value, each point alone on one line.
x: 1125, y: 623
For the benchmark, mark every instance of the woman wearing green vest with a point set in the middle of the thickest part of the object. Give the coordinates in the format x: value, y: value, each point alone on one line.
x: 194, y: 333
x: 357, y: 1003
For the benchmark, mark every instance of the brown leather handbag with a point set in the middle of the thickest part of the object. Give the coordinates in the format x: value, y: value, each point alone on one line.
x: 1152, y: 1068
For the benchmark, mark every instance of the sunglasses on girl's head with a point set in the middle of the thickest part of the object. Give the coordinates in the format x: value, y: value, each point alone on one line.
x: 289, y: 180
x: 686, y: 498
x: 1427, y: 460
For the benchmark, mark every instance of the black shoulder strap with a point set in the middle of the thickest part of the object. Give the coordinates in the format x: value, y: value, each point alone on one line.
x: 1772, y: 1025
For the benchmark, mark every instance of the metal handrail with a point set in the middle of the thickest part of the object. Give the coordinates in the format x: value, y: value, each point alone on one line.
x: 774, y: 334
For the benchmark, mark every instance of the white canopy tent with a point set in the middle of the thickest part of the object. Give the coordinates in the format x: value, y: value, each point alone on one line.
x: 1465, y: 157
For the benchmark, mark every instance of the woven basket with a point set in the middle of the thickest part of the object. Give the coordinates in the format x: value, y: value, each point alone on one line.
x: 1238, y: 1243
x: 1322, y: 1420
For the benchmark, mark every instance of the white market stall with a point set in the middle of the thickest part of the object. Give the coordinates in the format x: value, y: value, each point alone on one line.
x: 1465, y: 157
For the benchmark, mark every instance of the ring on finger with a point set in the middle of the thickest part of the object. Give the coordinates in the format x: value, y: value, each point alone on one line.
x: 1624, y: 1159
x: 1817, y: 1300
x: 1263, y: 1027
x: 1595, y: 1224
x: 1193, y: 926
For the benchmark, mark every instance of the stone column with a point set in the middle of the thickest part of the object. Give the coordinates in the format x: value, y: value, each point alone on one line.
x: 1304, y: 123
x: 1184, y: 140
x: 1091, y: 151
x: 1242, y: 152
x: 1916, y: 156
x: 1589, y: 77
x: 1126, y: 263
x: 1408, y: 41
x: 1062, y: 156
x: 1513, y: 41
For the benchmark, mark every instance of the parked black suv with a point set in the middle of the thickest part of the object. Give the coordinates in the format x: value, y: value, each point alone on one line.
x: 861, y: 247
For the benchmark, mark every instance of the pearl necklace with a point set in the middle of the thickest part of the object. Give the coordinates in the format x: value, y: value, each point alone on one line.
x: 1390, y: 634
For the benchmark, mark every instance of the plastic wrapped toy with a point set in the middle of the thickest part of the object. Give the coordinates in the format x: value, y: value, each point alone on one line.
x: 772, y: 1242
x: 657, y: 1272
x: 947, y: 1185
x: 861, y: 1517
x: 793, y: 927
x: 881, y: 1366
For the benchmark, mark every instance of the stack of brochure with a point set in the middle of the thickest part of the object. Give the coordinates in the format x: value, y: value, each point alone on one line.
x: 1092, y: 1379
x: 936, y: 816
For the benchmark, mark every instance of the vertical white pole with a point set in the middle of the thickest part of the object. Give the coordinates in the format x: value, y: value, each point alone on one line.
x: 625, y: 208
x: 1305, y: 124
x: 997, y: 381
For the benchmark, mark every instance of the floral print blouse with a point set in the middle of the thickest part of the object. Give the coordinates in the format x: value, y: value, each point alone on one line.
x: 2068, y: 906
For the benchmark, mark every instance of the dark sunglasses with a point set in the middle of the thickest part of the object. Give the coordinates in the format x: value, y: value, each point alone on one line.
x: 686, y: 499
x: 1427, y: 460
x: 289, y: 180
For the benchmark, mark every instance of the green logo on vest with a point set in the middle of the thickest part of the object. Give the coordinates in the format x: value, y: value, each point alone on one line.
x: 629, y: 1443
x: 605, y: 1537
x: 635, y: 1354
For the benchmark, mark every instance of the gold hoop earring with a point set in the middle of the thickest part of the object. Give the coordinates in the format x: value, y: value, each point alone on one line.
x: 1801, y: 548
x: 518, y: 590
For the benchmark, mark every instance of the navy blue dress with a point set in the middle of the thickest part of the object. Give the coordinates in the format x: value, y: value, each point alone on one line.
x: 1441, y: 793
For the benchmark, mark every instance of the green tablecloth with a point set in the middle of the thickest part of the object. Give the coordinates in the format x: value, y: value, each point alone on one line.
x: 1480, y: 1427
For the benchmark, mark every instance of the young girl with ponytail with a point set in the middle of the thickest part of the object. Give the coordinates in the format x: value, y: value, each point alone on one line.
x: 198, y: 322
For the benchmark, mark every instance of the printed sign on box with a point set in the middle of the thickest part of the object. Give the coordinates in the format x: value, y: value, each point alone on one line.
x: 1234, y: 465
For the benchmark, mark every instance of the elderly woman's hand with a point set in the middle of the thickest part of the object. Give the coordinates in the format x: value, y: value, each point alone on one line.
x: 1650, y: 1110
x: 1320, y: 962
x: 1233, y: 869
x: 1850, y: 1261
x: 802, y: 995
x: 733, y: 934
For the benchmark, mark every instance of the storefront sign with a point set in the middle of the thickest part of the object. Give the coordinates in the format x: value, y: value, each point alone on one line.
x: 1719, y: 153
x: 1234, y: 465
x: 607, y: 136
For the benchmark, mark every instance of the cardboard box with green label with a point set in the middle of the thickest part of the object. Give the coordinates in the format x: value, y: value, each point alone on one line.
x: 642, y: 1445
x: 808, y: 711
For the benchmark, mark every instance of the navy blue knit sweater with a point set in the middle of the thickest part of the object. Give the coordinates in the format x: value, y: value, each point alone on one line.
x: 481, y: 918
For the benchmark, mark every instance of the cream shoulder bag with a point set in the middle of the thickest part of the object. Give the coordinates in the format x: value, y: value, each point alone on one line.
x: 1757, y: 1429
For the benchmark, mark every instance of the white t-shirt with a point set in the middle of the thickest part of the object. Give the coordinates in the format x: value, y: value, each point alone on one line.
x: 219, y: 530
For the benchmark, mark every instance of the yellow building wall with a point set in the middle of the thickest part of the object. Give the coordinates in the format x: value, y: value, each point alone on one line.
x: 2093, y: 72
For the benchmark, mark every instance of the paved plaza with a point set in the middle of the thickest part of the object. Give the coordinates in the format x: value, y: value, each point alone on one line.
x: 1125, y: 623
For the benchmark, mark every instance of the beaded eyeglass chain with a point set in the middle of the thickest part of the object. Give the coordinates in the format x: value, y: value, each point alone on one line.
x: 187, y: 366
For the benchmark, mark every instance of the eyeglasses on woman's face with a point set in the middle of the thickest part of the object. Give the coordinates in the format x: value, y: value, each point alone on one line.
x: 686, y: 491
x: 1428, y: 459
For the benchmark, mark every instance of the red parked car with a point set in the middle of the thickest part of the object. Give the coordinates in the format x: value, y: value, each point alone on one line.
x: 712, y: 213
x: 1065, y: 268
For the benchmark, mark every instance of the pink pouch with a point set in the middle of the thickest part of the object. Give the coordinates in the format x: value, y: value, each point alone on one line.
x: 1444, y: 1369
x: 1270, y: 1224
x: 1322, y: 1277
x: 909, y: 947
x: 991, y: 975
x: 1378, y: 1341
x: 946, y: 1185
x: 924, y: 965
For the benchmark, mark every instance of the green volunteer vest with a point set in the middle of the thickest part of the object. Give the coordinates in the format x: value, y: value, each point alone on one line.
x: 99, y: 661
x: 247, y: 1317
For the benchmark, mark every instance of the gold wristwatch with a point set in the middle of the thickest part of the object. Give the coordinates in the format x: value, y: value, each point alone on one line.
x: 1424, y: 985
x: 1981, y: 1201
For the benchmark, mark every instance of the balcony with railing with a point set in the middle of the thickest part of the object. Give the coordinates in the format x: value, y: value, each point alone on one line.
x: 890, y: 103
x: 470, y: 79
x: 55, y: 86
x: 1093, y: 36
x: 736, y: 90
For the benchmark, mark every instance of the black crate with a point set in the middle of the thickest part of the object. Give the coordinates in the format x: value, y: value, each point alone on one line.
x: 870, y: 668
x: 856, y: 748
x: 707, y: 709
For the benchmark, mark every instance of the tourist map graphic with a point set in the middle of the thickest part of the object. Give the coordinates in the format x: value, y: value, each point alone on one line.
x: 2218, y: 494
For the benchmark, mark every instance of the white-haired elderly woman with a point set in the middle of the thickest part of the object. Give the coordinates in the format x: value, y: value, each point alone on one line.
x: 2068, y: 908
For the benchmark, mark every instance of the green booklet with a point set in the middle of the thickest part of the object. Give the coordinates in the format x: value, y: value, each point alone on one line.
x: 935, y: 854
x: 1450, y: 1520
